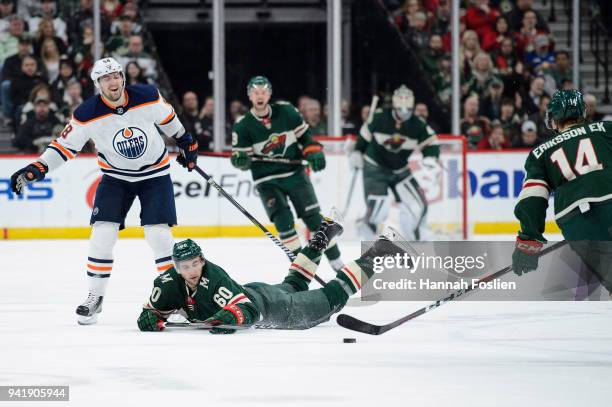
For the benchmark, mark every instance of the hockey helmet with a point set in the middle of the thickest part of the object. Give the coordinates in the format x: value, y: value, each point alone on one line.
x: 259, y: 82
x: 565, y: 105
x: 186, y: 250
x: 103, y: 67
x: 403, y: 102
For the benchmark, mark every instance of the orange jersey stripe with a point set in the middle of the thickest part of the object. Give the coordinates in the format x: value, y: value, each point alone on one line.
x: 164, y: 162
x: 62, y: 149
x: 167, y: 119
x: 99, y: 268
x: 164, y: 268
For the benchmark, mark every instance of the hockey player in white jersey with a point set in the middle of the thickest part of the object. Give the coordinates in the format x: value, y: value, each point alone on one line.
x: 122, y: 121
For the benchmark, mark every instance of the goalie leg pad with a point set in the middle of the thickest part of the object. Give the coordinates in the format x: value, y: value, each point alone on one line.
x: 161, y: 242
x: 413, y: 208
x: 100, y: 257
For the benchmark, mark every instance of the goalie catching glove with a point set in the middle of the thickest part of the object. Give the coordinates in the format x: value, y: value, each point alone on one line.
x: 229, y: 315
x: 188, y: 156
x: 525, y: 256
x: 33, y: 172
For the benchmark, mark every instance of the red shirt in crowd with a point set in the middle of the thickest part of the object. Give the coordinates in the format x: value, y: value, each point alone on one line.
x: 480, y: 21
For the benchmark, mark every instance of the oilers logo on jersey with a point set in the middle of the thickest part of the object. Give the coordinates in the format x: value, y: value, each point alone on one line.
x: 130, y: 142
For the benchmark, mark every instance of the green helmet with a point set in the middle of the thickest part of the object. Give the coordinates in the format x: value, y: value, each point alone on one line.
x: 565, y: 105
x: 185, y: 250
x: 259, y: 81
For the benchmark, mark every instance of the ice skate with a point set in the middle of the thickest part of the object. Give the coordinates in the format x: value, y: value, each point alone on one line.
x: 89, y: 310
x: 328, y: 230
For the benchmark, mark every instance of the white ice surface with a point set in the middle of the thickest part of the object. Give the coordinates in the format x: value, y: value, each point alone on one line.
x: 463, y: 354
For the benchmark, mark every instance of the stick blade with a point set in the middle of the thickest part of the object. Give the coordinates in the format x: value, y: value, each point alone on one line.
x: 354, y: 324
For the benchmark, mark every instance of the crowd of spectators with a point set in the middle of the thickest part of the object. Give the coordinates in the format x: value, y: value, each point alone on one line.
x: 46, y: 56
x: 509, y: 66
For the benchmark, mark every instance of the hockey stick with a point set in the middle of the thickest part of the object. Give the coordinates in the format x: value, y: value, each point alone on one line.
x: 205, y: 326
x: 355, y: 324
x: 279, y: 161
x: 269, y: 234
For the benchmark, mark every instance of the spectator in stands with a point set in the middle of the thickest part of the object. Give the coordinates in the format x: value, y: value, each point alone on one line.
x: 482, y: 74
x: 492, y: 40
x: 136, y: 53
x: 592, y: 115
x: 496, y: 140
x: 531, y: 100
x: 111, y: 8
x: 529, y: 136
x: 82, y: 18
x: 418, y: 35
x: 539, y: 118
x: 470, y: 47
x: 35, y: 133
x: 117, y: 45
x: 40, y: 91
x: 490, y: 105
x: 312, y: 115
x: 134, y: 74
x: 473, y: 126
x: 430, y: 57
x: 515, y: 17
x: 509, y: 119
x: 363, y: 114
x: 73, y: 97
x: 442, y: 81
x: 505, y: 59
x: 190, y: 117
x: 50, y: 57
x: 6, y: 11
x: 9, y: 40
x: 12, y: 68
x: 561, y: 69
x: 541, y: 58
x: 47, y: 31
x: 481, y: 17
x: 422, y: 111
x: 48, y: 9
x: 525, y: 38
x: 348, y: 127
x: 405, y: 20
x: 21, y: 86
x: 302, y: 102
x: 442, y: 17
x: 60, y: 84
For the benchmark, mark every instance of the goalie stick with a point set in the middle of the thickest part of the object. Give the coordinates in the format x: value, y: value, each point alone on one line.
x: 355, y: 324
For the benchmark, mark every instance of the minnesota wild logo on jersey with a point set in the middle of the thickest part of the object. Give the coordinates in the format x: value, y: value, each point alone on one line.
x: 276, y: 145
x: 394, y: 143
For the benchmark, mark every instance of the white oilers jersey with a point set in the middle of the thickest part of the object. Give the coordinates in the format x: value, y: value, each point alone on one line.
x: 129, y: 144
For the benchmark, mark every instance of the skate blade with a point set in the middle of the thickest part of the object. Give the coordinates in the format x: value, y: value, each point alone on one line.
x: 88, y: 320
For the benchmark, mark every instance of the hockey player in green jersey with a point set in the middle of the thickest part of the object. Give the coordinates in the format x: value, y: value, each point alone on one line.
x: 278, y: 131
x: 203, y: 291
x: 576, y: 165
x: 384, y: 145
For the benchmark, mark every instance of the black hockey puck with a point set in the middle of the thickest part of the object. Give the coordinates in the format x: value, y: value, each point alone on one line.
x: 349, y: 340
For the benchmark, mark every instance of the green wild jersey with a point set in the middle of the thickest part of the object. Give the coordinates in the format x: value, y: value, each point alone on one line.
x: 388, y: 142
x: 576, y: 164
x: 280, y: 135
x: 216, y: 290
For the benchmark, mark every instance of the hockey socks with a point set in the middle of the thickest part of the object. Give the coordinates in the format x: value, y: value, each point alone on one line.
x: 303, y: 269
x: 348, y: 281
x: 100, y: 259
x: 291, y: 239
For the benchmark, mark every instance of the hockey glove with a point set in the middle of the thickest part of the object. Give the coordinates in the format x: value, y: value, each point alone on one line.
x: 356, y: 160
x: 314, y: 154
x: 525, y: 256
x: 188, y: 157
x: 150, y: 321
x: 33, y: 172
x: 241, y: 160
x: 229, y: 315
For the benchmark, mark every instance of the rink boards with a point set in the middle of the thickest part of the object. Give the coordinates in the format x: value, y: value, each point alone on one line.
x: 60, y: 206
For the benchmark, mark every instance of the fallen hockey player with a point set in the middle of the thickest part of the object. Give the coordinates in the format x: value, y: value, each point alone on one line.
x: 203, y: 291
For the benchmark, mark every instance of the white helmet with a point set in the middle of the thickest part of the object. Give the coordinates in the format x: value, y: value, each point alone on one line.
x: 103, y: 67
x: 403, y: 102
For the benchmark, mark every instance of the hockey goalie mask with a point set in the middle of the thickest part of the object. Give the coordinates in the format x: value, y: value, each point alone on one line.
x: 106, y: 66
x: 403, y: 103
